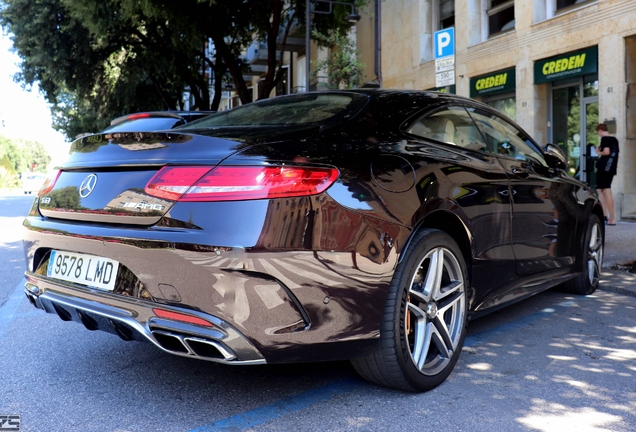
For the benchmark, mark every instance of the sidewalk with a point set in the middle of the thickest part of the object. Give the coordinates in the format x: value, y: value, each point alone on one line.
x: 620, y: 253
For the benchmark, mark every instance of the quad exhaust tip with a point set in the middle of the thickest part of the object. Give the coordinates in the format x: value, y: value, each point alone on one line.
x: 189, y: 345
x: 174, y: 337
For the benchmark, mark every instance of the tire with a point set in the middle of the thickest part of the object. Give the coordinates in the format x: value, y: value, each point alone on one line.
x: 424, y: 322
x: 587, y: 281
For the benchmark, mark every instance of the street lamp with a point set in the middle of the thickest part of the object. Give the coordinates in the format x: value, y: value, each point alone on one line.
x: 351, y: 18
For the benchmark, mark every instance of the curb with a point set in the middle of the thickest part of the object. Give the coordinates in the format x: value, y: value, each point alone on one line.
x: 618, y: 290
x: 618, y: 281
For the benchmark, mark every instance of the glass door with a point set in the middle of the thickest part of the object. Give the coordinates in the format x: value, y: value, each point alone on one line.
x: 566, y: 124
x: 590, y: 119
x: 574, y: 121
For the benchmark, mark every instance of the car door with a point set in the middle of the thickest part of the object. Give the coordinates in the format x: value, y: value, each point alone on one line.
x: 543, y: 204
x: 475, y: 181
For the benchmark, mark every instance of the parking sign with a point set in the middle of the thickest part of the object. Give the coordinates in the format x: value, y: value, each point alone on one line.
x: 444, y: 57
x: 445, y: 43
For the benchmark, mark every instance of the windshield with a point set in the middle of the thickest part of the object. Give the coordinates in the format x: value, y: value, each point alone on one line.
x: 301, y: 109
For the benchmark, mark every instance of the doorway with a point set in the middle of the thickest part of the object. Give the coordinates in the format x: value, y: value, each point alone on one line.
x: 574, y: 117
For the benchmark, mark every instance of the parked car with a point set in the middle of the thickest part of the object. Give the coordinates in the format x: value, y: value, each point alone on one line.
x: 368, y: 225
x: 153, y: 121
x: 31, y: 182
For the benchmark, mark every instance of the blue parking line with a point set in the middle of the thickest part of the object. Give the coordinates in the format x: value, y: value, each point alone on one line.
x: 283, y: 407
x: 10, y: 307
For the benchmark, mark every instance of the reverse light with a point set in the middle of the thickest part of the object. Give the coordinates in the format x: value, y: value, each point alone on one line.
x: 176, y: 316
x: 49, y: 182
x: 232, y: 183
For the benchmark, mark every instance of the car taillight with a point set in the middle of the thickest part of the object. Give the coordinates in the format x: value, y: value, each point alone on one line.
x: 234, y: 183
x: 49, y: 183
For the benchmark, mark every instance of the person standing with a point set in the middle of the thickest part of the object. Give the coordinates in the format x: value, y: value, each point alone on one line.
x: 606, y: 170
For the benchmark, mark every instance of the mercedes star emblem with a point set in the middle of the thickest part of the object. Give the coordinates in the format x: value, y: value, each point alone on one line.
x: 88, y: 185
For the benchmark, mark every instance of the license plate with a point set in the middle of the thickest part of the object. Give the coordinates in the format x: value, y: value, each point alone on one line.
x: 84, y: 269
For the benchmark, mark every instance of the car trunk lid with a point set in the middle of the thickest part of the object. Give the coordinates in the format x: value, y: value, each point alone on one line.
x: 104, y: 178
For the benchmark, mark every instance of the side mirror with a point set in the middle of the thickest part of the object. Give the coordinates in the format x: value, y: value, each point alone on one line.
x: 555, y: 157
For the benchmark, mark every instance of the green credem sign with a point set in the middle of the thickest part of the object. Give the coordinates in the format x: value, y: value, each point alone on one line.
x: 503, y: 81
x: 566, y: 65
x: 449, y: 89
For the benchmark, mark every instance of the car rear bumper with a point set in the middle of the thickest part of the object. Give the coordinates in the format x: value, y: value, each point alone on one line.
x: 307, y: 293
x: 132, y: 319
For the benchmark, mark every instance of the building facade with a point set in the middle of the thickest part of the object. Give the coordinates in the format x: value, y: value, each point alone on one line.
x: 558, y: 67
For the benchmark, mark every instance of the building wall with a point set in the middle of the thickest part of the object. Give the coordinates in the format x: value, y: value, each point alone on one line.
x: 407, y: 61
x: 365, y: 41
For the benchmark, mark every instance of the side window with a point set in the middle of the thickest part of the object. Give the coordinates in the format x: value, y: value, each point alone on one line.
x: 451, y: 125
x: 446, y: 14
x: 505, y: 139
x: 563, y: 4
x: 501, y: 16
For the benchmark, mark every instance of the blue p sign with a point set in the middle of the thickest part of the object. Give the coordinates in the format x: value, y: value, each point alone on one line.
x: 445, y: 42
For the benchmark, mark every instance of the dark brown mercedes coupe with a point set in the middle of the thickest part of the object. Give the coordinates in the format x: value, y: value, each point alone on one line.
x: 368, y: 225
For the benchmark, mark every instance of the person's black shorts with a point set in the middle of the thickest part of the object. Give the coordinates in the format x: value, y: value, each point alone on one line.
x: 604, y: 180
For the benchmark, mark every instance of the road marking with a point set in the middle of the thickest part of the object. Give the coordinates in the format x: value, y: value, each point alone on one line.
x: 10, y: 307
x: 280, y: 408
x: 283, y: 407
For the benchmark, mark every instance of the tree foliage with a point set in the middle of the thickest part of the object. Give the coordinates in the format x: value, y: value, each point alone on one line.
x: 24, y: 155
x: 95, y: 60
x: 342, y: 68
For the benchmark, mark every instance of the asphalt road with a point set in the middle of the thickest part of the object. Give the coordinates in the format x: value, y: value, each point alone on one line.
x: 552, y: 363
x: 12, y: 210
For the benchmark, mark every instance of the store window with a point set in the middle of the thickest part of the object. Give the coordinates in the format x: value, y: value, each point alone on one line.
x: 506, y: 104
x: 446, y: 12
x: 501, y: 16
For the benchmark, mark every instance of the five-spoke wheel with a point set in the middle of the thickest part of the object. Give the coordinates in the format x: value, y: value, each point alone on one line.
x: 436, y: 311
x: 588, y: 278
x: 424, y: 322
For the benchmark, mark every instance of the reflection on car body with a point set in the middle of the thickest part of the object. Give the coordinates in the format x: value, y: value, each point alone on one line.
x: 360, y: 230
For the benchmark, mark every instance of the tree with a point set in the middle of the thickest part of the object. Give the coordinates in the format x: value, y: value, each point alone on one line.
x: 95, y: 60
x: 8, y: 176
x: 98, y: 60
x: 24, y: 155
x: 342, y: 66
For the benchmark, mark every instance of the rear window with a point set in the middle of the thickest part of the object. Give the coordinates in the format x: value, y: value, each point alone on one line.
x: 146, y: 124
x: 302, y: 109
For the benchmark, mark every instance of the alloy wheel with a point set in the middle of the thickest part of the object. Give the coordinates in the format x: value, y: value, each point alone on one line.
x: 435, y: 311
x: 595, y: 255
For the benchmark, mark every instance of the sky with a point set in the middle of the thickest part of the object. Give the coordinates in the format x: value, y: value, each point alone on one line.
x: 25, y: 114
